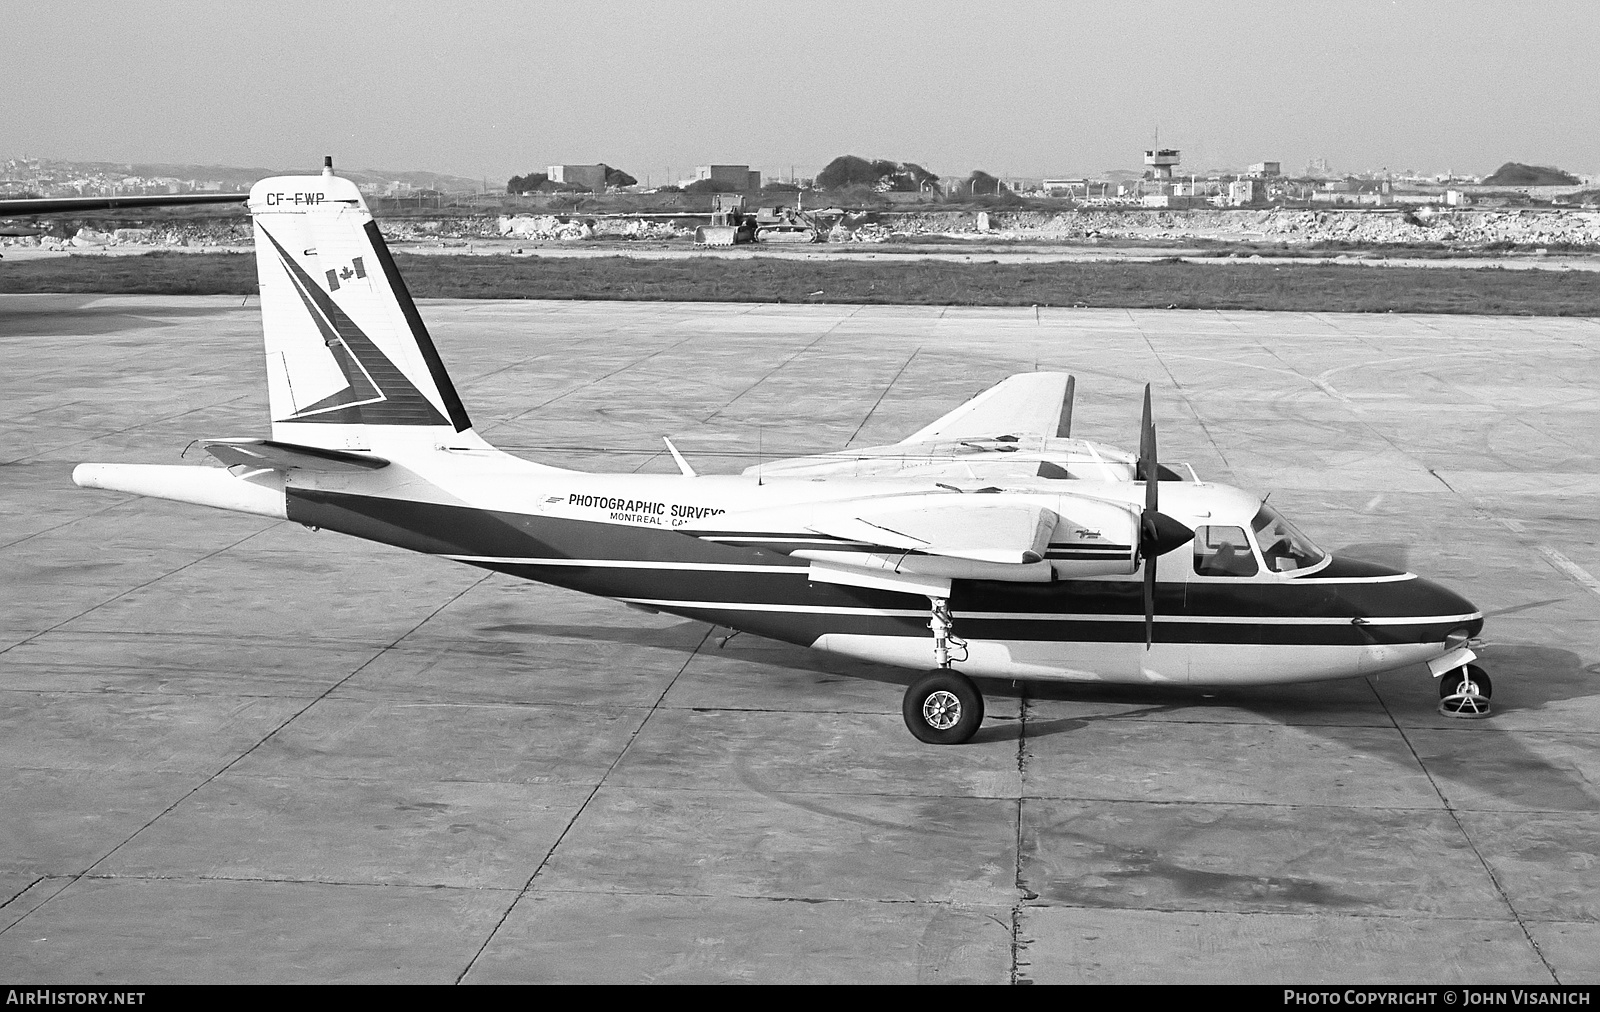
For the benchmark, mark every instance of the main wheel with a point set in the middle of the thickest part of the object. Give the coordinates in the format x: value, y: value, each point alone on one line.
x: 943, y: 708
x: 1450, y: 682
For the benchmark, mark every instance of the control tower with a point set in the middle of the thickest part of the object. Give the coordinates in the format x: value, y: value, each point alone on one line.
x: 1161, y: 162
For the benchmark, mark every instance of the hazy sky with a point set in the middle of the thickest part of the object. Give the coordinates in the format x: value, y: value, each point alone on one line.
x: 486, y: 88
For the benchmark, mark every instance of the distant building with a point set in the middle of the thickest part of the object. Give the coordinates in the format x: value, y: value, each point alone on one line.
x: 592, y: 176
x: 1348, y: 197
x: 1072, y: 187
x: 1263, y: 169
x: 740, y: 177
x: 1161, y: 161
x: 1241, y: 192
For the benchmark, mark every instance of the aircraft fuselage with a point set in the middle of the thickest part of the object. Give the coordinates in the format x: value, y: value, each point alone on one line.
x: 626, y: 537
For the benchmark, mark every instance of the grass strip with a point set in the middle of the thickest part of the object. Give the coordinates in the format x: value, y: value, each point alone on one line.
x: 1167, y: 283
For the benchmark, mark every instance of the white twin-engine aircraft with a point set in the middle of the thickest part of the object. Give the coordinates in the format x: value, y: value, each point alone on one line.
x: 987, y: 544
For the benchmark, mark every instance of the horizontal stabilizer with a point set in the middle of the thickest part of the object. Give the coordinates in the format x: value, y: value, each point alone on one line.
x: 203, y: 486
x: 282, y: 456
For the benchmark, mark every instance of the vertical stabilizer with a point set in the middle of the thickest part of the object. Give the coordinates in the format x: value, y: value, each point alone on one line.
x: 348, y: 357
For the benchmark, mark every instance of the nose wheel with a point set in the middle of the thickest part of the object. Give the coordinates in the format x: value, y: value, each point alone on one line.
x: 1465, y: 692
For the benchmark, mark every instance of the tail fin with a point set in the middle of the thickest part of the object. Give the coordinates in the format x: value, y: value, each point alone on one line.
x: 346, y: 350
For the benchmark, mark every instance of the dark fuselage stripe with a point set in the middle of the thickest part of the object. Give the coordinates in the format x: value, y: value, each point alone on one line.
x: 690, y: 576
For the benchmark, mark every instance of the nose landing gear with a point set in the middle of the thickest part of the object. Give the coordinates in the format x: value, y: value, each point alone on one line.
x: 1465, y: 692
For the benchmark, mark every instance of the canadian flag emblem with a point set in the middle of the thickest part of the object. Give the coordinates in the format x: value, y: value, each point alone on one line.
x: 355, y: 269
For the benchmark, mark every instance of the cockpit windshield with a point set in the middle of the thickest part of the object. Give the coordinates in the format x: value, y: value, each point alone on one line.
x: 1283, y: 546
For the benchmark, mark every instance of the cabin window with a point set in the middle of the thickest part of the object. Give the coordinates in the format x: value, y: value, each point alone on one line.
x: 1283, y: 546
x: 1223, y: 551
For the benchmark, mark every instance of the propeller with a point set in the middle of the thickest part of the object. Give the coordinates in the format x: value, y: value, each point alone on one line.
x: 1158, y: 533
x: 1064, y: 424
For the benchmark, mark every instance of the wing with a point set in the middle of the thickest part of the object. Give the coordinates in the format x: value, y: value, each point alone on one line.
x: 970, y: 443
x: 18, y: 206
x: 918, y: 543
x: 974, y: 528
x: 1027, y: 404
x: 1003, y: 532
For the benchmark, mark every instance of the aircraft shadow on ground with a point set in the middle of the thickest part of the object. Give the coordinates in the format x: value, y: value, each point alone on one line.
x: 681, y: 635
x: 1528, y: 677
x: 74, y: 316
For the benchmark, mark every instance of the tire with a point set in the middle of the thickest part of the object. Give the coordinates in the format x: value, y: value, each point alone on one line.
x: 1450, y: 682
x: 943, y: 708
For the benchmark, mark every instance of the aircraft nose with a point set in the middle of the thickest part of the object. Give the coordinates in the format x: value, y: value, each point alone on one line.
x: 1435, y: 599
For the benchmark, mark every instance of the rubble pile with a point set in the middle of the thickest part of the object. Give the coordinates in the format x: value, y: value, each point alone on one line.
x: 1301, y: 227
x: 198, y: 234
x: 864, y: 231
x: 546, y: 226
x: 423, y: 229
x: 1465, y: 228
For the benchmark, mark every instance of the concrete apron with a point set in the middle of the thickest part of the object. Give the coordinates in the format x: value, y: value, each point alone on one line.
x: 235, y: 750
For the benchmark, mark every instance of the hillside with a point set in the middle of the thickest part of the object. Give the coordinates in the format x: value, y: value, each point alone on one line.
x: 1517, y: 174
x: 45, y: 172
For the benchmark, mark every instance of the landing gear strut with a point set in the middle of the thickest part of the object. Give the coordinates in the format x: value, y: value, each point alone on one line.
x: 944, y: 707
x: 1465, y: 692
x: 944, y: 632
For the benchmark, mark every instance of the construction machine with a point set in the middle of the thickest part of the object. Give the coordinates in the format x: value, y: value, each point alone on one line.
x: 785, y: 224
x: 729, y: 223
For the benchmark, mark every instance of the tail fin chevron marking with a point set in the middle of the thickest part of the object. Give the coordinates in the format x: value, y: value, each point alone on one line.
x: 349, y: 360
x: 378, y: 393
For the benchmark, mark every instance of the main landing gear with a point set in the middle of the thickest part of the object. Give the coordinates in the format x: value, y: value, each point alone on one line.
x: 943, y: 707
x: 1465, y: 692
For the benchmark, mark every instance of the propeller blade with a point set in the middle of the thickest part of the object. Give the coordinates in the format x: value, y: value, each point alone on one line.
x: 1158, y: 533
x: 1149, y: 600
x: 1064, y: 426
x: 1147, y: 466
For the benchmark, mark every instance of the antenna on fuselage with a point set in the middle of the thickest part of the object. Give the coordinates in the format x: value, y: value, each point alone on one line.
x: 327, y: 165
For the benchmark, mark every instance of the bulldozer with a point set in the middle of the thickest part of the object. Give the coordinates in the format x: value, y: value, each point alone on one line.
x: 785, y: 224
x: 729, y: 223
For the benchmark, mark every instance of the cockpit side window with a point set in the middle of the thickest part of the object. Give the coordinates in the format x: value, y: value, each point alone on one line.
x: 1223, y: 551
x: 1283, y: 546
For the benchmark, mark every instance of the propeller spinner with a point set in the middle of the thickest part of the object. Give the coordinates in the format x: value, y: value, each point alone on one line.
x: 1158, y: 533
